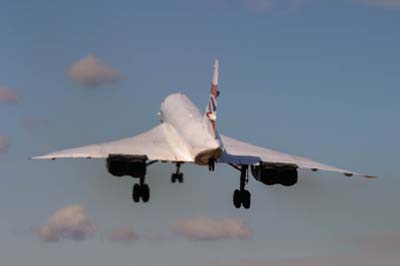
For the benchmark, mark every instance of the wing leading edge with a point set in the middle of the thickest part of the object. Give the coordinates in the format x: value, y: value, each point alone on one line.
x: 152, y: 144
x: 238, y: 152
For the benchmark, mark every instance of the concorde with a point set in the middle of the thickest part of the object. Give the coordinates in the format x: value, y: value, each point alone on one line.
x: 185, y: 135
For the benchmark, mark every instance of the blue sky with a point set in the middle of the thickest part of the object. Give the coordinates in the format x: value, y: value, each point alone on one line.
x: 313, y: 77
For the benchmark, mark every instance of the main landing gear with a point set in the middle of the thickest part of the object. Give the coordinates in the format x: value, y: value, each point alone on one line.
x: 141, y: 191
x: 242, y: 197
x: 177, y: 176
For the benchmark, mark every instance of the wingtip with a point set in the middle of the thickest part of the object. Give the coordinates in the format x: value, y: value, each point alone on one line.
x: 349, y: 174
x: 41, y: 157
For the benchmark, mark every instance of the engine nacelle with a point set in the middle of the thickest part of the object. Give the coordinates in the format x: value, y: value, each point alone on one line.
x: 120, y: 165
x: 275, y: 173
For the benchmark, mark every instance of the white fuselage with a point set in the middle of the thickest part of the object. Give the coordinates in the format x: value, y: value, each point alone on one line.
x: 187, y: 130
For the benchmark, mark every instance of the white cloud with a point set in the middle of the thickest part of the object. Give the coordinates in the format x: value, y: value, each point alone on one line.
x: 8, y: 95
x: 366, y: 260
x: 376, y: 249
x: 91, y: 72
x: 204, y: 228
x: 123, y: 234
x: 70, y: 222
x: 4, y: 144
x: 380, y: 242
x: 381, y: 3
x: 32, y: 122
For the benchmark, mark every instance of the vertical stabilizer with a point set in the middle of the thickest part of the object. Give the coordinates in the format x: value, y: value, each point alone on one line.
x: 211, y: 110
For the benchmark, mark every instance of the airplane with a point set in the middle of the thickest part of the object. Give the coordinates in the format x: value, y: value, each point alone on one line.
x: 185, y: 135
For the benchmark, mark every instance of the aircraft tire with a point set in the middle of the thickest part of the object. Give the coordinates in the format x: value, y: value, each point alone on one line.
x: 246, y: 199
x: 145, y: 192
x: 180, y: 178
x: 237, y: 199
x: 136, y: 193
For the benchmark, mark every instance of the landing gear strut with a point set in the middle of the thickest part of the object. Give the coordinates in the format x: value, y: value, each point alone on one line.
x: 141, y: 190
x: 177, y: 176
x: 211, y: 165
x: 242, y: 197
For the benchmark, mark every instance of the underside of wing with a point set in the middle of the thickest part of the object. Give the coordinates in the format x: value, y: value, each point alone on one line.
x: 238, y: 152
x: 153, y: 144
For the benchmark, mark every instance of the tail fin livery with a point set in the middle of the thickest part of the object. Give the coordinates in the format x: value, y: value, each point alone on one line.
x: 211, y: 110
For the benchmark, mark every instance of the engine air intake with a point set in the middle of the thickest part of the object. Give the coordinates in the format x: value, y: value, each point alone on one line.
x: 275, y: 173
